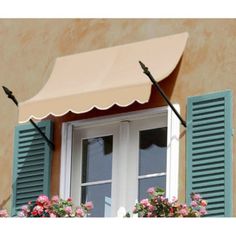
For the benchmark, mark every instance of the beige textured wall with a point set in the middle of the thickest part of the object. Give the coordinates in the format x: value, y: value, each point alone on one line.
x: 28, y: 49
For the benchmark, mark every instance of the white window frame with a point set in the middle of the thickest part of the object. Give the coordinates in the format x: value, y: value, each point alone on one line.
x: 124, y: 200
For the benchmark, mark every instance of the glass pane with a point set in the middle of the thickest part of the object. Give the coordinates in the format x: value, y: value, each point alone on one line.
x: 97, y: 159
x: 145, y: 184
x: 152, y: 151
x: 100, y: 195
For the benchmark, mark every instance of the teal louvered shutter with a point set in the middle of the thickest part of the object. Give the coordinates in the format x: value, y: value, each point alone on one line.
x: 32, y: 164
x: 209, y: 151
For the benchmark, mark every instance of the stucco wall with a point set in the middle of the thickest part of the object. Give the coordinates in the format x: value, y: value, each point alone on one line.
x: 28, y: 49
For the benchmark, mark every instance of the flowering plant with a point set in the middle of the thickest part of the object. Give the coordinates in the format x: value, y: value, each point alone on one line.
x: 159, y: 206
x: 56, y: 207
x: 3, y: 213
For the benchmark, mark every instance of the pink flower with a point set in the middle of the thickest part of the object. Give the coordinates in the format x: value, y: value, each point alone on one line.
x: 145, y: 202
x: 196, y: 197
x: 3, y: 213
x: 55, y: 199
x: 21, y: 214
x: 202, y: 211
x: 79, y: 212
x: 24, y: 208
x: 151, y: 208
x: 183, y: 212
x: 151, y: 190
x: 38, y: 210
x: 134, y: 210
x: 174, y: 199
x: 42, y: 199
x: 203, y: 203
x: 89, y: 205
x: 162, y: 198
x: 69, y: 199
x: 194, y: 204
x: 68, y: 210
x: 52, y: 215
x: 149, y: 214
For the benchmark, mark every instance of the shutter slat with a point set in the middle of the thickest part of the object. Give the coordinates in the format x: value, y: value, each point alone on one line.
x: 215, y: 200
x: 197, y: 162
x: 209, y: 121
x: 208, y: 189
x: 215, y: 206
x: 32, y: 148
x: 30, y: 174
x: 209, y: 126
x: 206, y: 106
x: 205, y: 133
x: 30, y: 190
x: 35, y: 168
x: 209, y: 155
x: 209, y: 143
x: 31, y: 132
x: 209, y: 183
x: 39, y: 142
x: 21, y: 196
x: 208, y: 166
x: 21, y: 202
x: 212, y: 110
x: 213, y: 195
x: 208, y: 172
x: 35, y: 138
x: 208, y: 116
x: 208, y: 177
x: 40, y: 152
x: 209, y: 151
x: 29, y: 184
x: 198, y: 140
x: 30, y: 180
x: 32, y: 158
x: 30, y: 163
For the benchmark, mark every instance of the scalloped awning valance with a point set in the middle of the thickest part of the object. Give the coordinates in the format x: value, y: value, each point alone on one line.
x: 104, y: 77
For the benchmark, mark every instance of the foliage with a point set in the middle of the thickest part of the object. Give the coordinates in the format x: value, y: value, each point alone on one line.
x: 157, y: 205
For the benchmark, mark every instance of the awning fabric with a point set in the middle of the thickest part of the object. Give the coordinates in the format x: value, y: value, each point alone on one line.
x: 104, y: 77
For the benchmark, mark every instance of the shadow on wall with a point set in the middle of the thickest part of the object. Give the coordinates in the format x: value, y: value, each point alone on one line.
x: 4, y: 202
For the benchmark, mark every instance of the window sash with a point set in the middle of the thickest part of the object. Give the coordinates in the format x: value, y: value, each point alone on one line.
x: 122, y: 198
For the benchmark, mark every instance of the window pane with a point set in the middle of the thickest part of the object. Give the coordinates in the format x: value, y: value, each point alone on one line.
x: 100, y: 195
x: 97, y: 159
x: 145, y: 184
x: 152, y: 151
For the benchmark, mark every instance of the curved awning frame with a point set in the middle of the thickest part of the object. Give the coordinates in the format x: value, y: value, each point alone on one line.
x: 103, y: 78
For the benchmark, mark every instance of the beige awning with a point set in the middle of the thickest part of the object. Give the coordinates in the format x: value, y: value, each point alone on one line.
x: 104, y: 77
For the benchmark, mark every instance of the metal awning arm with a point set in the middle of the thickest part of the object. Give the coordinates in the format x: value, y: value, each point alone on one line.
x: 156, y: 85
x: 12, y: 97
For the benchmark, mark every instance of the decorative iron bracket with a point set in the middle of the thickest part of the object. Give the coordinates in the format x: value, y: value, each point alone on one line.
x: 12, y: 97
x: 156, y: 85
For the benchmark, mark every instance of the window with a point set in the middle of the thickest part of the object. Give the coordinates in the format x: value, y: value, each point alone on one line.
x: 114, y: 160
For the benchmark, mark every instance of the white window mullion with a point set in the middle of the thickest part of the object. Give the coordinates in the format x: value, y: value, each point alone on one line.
x: 66, y: 152
x: 121, y: 183
x: 172, y: 153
